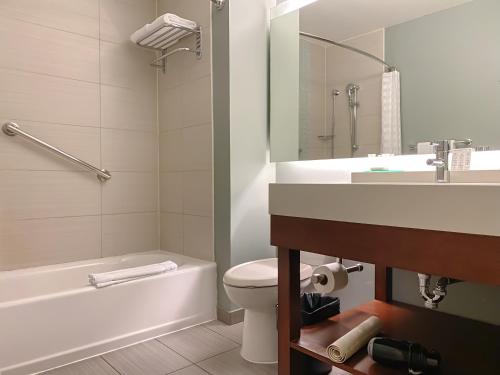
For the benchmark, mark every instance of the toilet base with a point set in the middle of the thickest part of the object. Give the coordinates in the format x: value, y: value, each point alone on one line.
x: 260, y: 337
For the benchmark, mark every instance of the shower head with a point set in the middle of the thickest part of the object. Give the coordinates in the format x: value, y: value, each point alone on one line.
x: 352, y: 92
x: 336, y: 92
x: 219, y: 4
x: 351, y: 89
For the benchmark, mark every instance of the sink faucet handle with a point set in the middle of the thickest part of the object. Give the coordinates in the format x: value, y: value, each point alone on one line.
x: 436, y: 163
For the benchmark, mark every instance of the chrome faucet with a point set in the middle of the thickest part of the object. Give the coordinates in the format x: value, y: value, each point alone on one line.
x: 441, y: 161
x: 443, y: 149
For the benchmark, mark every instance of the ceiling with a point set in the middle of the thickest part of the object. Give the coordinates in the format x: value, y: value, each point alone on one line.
x: 344, y: 19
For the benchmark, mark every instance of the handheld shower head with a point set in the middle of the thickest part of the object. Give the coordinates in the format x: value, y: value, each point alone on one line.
x: 352, y: 93
x: 219, y: 4
x: 351, y: 89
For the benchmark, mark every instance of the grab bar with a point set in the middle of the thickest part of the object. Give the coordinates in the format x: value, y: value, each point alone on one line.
x: 12, y: 129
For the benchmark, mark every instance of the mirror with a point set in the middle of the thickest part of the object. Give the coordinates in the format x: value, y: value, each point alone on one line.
x: 350, y: 78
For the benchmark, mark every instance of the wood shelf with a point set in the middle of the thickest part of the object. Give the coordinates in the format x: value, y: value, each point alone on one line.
x: 467, y: 347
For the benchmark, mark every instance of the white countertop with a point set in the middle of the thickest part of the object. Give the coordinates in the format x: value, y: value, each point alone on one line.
x: 463, y: 208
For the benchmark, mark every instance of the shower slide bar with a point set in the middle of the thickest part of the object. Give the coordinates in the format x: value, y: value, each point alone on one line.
x: 12, y: 129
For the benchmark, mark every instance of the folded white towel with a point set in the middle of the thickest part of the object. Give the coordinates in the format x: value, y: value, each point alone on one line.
x: 153, y: 31
x: 100, y: 280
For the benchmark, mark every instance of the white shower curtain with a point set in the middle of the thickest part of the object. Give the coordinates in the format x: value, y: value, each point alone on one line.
x: 391, y: 114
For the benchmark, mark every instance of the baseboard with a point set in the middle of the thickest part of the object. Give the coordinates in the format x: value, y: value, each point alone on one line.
x: 230, y: 317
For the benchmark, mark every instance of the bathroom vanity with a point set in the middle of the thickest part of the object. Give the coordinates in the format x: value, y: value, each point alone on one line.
x: 436, y: 234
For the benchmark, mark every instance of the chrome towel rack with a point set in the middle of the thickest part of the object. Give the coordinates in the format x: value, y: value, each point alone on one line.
x: 12, y: 129
x: 168, y: 35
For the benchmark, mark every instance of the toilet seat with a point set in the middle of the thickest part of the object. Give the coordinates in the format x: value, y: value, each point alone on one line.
x: 259, y: 274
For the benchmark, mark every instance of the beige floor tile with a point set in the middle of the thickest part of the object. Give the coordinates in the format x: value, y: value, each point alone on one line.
x: 148, y: 358
x: 197, y: 343
x: 191, y: 370
x: 234, y: 332
x: 93, y: 366
x: 231, y: 363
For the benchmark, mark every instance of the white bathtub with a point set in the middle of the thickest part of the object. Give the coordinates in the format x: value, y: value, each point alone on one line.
x: 50, y: 316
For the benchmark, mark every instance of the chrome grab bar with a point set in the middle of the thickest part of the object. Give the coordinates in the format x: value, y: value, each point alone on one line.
x: 12, y: 129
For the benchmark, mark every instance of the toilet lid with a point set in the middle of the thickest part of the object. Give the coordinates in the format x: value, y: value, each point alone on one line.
x: 259, y: 274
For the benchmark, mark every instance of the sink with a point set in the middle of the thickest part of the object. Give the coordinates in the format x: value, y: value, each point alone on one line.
x: 465, y: 177
x: 454, y: 207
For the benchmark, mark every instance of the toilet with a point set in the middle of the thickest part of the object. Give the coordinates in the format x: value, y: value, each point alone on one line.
x: 254, y: 287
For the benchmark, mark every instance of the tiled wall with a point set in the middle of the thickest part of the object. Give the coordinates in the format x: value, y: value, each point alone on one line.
x: 185, y: 118
x: 329, y: 68
x: 69, y: 75
x: 349, y: 67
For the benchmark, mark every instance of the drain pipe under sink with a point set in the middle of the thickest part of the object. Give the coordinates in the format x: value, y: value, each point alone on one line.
x: 433, y: 298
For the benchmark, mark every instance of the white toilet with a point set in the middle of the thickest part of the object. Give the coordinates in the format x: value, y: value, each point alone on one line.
x: 254, y: 286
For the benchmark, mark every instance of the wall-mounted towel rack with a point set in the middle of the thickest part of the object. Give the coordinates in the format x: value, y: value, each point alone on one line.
x: 12, y: 129
x: 165, y: 32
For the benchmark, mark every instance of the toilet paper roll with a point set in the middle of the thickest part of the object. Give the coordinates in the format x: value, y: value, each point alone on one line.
x: 336, y: 275
x: 342, y: 349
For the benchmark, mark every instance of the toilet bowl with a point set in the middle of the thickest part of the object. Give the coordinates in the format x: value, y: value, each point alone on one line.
x: 254, y: 287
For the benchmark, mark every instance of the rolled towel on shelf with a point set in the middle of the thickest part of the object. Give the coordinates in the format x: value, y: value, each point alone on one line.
x: 343, y: 348
x: 101, y: 280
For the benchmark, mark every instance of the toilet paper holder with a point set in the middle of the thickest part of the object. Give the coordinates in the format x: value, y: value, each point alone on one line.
x: 322, y: 279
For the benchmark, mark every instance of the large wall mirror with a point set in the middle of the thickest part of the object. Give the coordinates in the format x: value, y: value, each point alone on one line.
x: 350, y: 78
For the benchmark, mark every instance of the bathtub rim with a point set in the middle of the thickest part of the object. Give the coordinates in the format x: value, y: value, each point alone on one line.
x: 188, y: 264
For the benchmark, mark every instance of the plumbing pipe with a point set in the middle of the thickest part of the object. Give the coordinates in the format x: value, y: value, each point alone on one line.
x: 434, y: 297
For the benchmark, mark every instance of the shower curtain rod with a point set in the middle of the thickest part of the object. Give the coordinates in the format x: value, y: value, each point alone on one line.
x: 389, y: 67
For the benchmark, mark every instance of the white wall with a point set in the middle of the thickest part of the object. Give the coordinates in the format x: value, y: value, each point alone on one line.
x: 242, y: 170
x: 69, y: 75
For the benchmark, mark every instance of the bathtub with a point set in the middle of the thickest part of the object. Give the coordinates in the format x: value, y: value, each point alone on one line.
x: 50, y: 316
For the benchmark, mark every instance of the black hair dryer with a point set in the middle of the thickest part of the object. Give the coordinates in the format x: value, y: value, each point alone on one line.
x: 403, y: 354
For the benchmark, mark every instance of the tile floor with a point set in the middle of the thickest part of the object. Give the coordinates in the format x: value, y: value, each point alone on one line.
x: 210, y: 349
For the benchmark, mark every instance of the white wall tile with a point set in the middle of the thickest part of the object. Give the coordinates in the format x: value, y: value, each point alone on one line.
x: 81, y: 17
x: 198, y: 237
x: 28, y: 96
x: 172, y: 237
x: 197, y: 193
x: 171, y: 192
x: 127, y: 233
x: 129, y: 192
x: 124, y: 108
x: 39, y: 194
x: 128, y: 150
x: 196, y: 102
x: 185, y: 67
x: 197, y: 147
x: 18, y: 153
x: 169, y: 109
x: 61, y: 83
x: 369, y: 96
x: 27, y: 243
x: 120, y: 18
x: 48, y: 51
x: 185, y: 119
x: 126, y: 65
x: 194, y: 94
x: 171, y: 151
x: 369, y: 130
